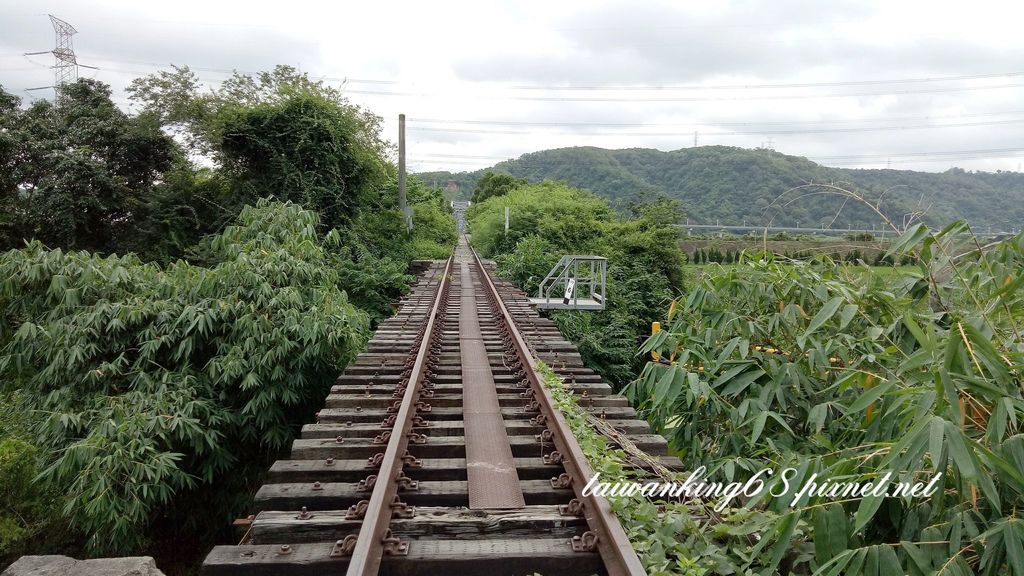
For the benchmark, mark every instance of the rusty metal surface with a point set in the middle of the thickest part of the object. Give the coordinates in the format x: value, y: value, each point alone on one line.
x: 609, y: 538
x: 317, y: 502
x: 373, y: 534
x: 490, y: 467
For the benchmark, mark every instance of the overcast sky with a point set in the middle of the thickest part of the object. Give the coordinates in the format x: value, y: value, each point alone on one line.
x: 918, y: 85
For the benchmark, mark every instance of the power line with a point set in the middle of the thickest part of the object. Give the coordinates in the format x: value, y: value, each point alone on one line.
x: 844, y: 160
x: 466, y: 156
x: 616, y: 87
x: 347, y: 80
x: 709, y: 123
x: 736, y: 133
x: 693, y: 99
x: 447, y: 162
x: 229, y: 71
x: 638, y: 87
x: 914, y: 154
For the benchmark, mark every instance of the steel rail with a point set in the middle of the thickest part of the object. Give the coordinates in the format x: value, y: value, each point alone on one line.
x: 369, y: 548
x: 612, y: 543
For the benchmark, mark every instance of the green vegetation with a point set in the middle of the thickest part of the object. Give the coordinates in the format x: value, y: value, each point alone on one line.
x: 76, y: 174
x: 644, y: 265
x: 669, y: 537
x: 732, y: 185
x: 168, y: 377
x: 839, y: 372
x: 493, y: 184
x: 164, y: 327
x: 276, y: 134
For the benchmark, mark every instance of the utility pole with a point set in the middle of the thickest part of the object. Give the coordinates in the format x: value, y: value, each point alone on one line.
x: 401, y: 173
x: 65, y: 68
x: 694, y: 138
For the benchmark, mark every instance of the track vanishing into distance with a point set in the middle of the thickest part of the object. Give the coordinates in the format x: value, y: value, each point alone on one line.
x: 439, y: 451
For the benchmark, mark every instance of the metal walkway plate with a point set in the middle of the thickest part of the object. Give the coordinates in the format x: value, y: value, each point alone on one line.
x: 490, y: 468
x: 572, y: 304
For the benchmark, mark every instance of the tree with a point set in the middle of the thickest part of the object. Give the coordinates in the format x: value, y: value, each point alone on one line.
x: 660, y: 212
x: 277, y: 134
x: 77, y: 172
x: 493, y: 184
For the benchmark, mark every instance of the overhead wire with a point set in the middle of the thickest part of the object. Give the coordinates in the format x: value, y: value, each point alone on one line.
x: 446, y: 124
x: 690, y: 98
x: 714, y: 122
x: 768, y: 132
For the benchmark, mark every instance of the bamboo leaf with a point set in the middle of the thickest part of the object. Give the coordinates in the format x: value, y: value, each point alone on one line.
x: 866, y: 511
x: 823, y: 315
x: 1013, y: 537
x: 869, y: 397
x: 740, y: 383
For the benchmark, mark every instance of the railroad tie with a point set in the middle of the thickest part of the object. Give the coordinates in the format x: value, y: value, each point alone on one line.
x: 490, y: 468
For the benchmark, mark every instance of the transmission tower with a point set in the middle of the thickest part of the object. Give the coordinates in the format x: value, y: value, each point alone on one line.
x: 65, y: 68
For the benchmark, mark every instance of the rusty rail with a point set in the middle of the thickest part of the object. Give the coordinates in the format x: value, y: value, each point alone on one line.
x: 374, y: 539
x: 327, y: 508
x: 608, y: 535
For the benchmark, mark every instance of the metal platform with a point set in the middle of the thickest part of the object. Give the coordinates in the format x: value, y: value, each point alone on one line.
x: 577, y: 282
x: 573, y: 304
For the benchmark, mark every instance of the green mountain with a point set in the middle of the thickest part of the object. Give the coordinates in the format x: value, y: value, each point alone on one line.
x: 732, y: 185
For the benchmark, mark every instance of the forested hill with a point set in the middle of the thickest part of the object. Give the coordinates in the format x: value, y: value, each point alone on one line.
x: 730, y: 185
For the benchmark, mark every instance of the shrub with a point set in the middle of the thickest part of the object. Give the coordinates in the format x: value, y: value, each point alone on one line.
x: 528, y: 263
x: 158, y: 381
x: 828, y: 372
x: 23, y: 503
x: 549, y: 220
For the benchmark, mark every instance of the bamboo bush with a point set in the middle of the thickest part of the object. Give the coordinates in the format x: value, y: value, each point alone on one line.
x: 836, y: 371
x: 148, y: 383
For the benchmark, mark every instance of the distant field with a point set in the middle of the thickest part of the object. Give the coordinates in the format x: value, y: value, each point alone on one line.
x: 884, y: 271
x: 788, y: 247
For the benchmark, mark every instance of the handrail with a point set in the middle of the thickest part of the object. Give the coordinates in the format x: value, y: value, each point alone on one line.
x: 369, y: 547
x: 568, y: 268
x: 612, y: 543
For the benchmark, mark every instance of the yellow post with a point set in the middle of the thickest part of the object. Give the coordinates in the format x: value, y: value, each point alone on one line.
x: 655, y: 328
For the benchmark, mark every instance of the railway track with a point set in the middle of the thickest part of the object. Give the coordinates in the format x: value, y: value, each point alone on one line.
x: 438, y: 451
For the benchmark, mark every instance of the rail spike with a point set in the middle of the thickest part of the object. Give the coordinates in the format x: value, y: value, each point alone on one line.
x: 405, y: 483
x: 554, y: 457
x: 587, y: 542
x: 563, y: 480
x: 357, y: 511
x: 394, y: 546
x: 344, y: 548
x: 573, y: 508
x: 367, y: 484
x: 400, y: 509
x: 411, y: 461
